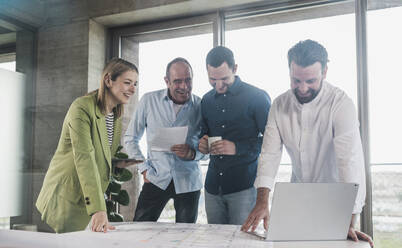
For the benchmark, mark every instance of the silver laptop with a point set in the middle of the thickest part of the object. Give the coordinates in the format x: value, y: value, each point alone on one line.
x: 311, y: 211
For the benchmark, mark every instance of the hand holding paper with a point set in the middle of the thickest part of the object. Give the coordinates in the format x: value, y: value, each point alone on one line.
x: 183, y: 151
x: 167, y: 137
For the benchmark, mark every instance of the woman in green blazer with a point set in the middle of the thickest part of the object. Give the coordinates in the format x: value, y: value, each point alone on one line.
x: 73, y: 189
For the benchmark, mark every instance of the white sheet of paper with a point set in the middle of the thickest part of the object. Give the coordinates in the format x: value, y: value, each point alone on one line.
x: 166, y: 137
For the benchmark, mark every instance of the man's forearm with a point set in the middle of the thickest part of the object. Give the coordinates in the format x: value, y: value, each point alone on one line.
x: 248, y: 146
x: 353, y: 220
x: 262, y: 196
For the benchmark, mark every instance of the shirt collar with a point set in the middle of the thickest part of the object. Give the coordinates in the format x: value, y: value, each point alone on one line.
x: 166, y: 98
x: 233, y: 89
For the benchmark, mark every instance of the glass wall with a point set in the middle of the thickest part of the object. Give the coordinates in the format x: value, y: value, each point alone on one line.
x: 384, y: 56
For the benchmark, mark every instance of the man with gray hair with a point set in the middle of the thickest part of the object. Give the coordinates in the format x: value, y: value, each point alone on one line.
x: 175, y: 175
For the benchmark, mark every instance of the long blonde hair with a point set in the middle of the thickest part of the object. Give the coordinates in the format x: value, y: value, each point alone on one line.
x: 115, y: 67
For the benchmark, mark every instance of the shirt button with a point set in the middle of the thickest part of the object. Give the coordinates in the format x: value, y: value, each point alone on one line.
x: 220, y: 157
x: 224, y: 94
x: 223, y: 110
x: 223, y: 126
x: 221, y: 174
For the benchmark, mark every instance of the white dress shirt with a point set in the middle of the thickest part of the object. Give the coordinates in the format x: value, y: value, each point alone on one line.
x: 322, y: 138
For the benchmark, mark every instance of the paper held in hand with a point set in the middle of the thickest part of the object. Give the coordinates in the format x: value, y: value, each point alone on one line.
x: 166, y: 137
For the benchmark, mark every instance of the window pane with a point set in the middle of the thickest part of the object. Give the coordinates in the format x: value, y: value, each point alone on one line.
x: 8, y: 66
x: 384, y: 53
x: 155, y: 55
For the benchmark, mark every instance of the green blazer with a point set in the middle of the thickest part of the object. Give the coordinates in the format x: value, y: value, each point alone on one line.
x: 78, y: 174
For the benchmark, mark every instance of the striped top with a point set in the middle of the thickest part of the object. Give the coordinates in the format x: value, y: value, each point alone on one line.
x: 109, y: 127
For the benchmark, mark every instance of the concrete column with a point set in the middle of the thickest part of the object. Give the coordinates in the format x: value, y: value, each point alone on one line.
x: 25, y: 63
x: 129, y: 52
x: 62, y: 76
x: 96, y: 54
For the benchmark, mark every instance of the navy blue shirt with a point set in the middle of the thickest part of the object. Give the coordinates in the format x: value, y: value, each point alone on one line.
x: 240, y: 116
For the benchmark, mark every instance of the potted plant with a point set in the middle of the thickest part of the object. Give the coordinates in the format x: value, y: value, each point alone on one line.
x: 114, y: 195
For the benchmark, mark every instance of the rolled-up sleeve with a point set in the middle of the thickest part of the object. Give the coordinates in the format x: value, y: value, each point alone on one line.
x: 349, y: 151
x: 134, y: 133
x: 271, y: 153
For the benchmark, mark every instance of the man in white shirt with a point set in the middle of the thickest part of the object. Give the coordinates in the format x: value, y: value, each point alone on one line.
x: 318, y: 125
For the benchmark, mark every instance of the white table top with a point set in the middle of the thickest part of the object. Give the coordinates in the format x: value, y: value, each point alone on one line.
x: 150, y: 234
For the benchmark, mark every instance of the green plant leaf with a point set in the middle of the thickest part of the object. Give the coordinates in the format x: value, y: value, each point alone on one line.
x: 110, y: 206
x: 123, y: 198
x: 118, y: 170
x: 120, y: 155
x: 114, y: 187
x: 110, y: 216
x: 123, y: 175
x: 119, y: 148
x: 118, y: 217
x: 115, y: 217
x: 114, y: 191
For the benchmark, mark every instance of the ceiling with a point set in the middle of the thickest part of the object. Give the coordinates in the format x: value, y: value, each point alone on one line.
x: 7, y: 37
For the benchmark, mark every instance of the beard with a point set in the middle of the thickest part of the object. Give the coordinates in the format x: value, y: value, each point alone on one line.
x: 305, y: 99
x: 311, y: 94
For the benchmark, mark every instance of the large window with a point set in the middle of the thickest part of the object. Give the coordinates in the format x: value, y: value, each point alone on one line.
x: 384, y: 63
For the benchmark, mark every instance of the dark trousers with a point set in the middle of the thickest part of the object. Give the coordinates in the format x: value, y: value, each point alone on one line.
x: 152, y: 200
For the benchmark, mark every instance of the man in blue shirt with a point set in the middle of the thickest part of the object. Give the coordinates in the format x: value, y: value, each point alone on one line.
x: 167, y: 175
x: 237, y: 112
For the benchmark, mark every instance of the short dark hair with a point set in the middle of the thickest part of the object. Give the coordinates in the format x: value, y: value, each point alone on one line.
x: 307, y: 52
x: 218, y: 55
x: 177, y: 60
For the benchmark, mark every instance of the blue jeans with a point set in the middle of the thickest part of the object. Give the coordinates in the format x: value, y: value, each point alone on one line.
x: 231, y: 208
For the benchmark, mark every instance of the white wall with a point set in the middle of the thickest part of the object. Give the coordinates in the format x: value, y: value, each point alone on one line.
x: 11, y: 142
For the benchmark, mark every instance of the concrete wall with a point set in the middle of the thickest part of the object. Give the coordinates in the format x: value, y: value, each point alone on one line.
x: 62, y: 76
x: 124, y: 12
x: 25, y: 63
x: 129, y: 51
x: 31, y: 12
x: 96, y: 54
